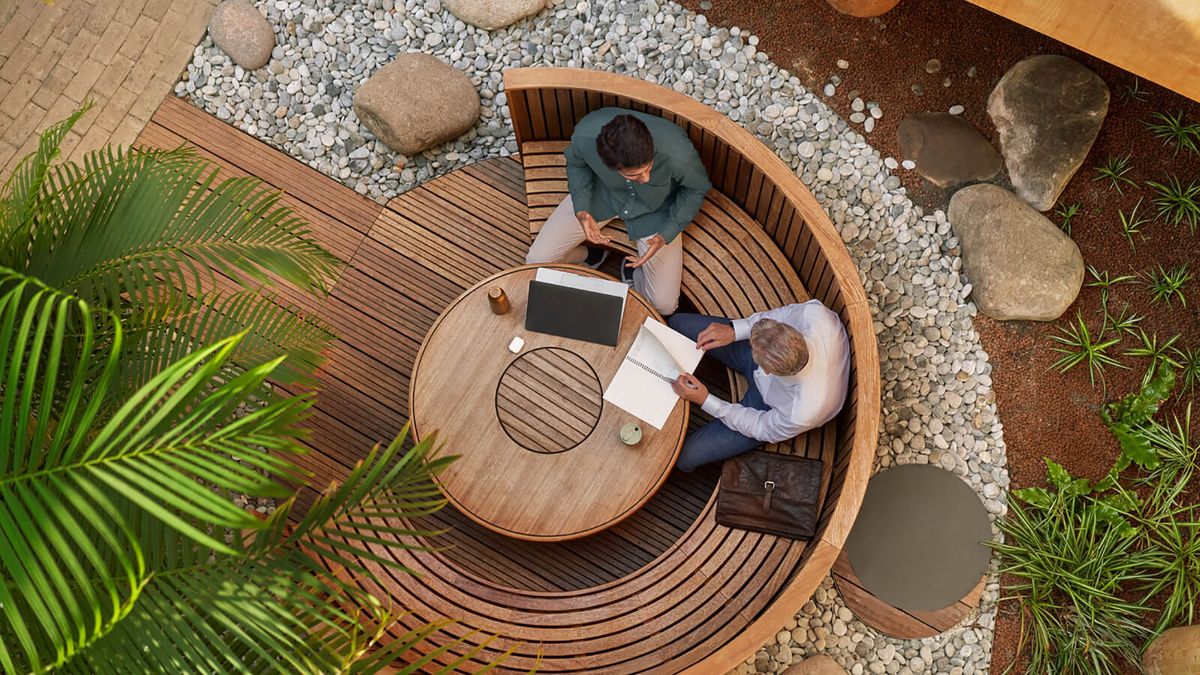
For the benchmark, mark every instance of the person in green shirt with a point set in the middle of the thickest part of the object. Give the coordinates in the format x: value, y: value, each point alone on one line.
x: 642, y: 169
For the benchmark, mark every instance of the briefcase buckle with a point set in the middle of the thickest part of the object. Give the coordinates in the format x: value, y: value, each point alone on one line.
x: 769, y: 486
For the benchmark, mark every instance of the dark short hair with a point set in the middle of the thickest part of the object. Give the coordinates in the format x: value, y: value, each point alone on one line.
x: 625, y: 143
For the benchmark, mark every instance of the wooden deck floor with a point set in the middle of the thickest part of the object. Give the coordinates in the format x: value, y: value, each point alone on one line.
x: 406, y: 261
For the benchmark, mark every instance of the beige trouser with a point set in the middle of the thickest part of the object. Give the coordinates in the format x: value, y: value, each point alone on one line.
x: 562, y: 240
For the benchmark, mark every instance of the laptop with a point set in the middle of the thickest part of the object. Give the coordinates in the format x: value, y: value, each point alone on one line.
x: 574, y: 313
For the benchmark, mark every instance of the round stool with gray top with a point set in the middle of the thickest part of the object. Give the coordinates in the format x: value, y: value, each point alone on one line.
x: 915, y: 561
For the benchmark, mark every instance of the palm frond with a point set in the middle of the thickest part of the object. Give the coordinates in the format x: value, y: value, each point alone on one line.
x: 369, y: 509
x: 154, y: 236
x: 166, y: 215
x: 22, y: 196
x: 233, y: 615
x: 69, y: 478
x: 283, y: 602
x: 54, y: 538
x: 177, y: 324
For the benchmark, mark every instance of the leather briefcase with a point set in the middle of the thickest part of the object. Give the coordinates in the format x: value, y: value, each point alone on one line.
x: 769, y: 492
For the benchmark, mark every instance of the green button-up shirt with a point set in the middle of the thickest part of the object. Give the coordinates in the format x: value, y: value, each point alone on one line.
x: 663, y: 205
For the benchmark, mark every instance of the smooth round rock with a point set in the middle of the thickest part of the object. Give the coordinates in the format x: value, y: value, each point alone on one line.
x: 816, y: 665
x: 918, y: 542
x: 417, y: 102
x: 1020, y: 264
x: 1047, y: 110
x: 242, y: 32
x: 1176, y: 651
x: 947, y: 149
x: 493, y: 14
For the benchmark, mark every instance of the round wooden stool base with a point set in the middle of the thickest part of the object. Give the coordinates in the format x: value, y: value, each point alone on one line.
x: 897, y: 622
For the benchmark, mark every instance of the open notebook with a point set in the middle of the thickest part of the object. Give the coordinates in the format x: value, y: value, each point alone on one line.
x: 642, y: 385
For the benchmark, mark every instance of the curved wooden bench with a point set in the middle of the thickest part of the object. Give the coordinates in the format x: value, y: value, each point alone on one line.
x: 714, y: 595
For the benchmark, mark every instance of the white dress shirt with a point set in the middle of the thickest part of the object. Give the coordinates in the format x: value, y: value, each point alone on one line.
x: 798, y: 402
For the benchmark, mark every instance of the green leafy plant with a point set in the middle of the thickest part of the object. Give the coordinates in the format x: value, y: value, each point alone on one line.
x: 1166, y: 284
x: 1177, y: 204
x: 1131, y: 223
x: 1174, y: 130
x: 1125, y: 418
x: 1067, y: 212
x: 1078, y: 346
x: 1113, y: 170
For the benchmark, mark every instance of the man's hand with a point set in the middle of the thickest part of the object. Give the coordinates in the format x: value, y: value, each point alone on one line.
x: 716, y: 335
x: 653, y: 244
x: 690, y: 389
x: 591, y: 229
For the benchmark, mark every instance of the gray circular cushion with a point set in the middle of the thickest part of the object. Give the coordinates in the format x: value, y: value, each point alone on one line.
x: 918, y: 541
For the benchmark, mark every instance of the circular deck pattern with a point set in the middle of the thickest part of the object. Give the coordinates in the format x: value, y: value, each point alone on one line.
x: 548, y: 400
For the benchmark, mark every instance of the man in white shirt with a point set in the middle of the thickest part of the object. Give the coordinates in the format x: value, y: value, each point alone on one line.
x: 796, y: 360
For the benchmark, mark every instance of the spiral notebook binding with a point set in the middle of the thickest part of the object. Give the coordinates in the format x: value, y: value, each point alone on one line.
x: 648, y: 369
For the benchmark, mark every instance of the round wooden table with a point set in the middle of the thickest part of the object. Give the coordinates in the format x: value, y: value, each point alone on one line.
x: 540, y: 455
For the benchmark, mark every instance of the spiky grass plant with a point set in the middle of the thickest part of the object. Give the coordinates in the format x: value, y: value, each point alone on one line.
x: 1131, y: 224
x: 1104, y: 281
x: 1175, y: 131
x: 1189, y: 368
x: 1070, y: 562
x: 1158, y: 353
x: 1165, y: 284
x: 1125, y: 322
x: 1078, y: 346
x: 1067, y: 212
x: 1177, y: 204
x: 1134, y: 92
x: 1113, y: 170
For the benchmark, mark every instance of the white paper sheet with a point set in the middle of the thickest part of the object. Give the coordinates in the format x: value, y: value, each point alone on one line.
x: 642, y: 385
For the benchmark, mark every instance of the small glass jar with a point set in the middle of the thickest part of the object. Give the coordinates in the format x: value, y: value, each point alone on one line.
x: 498, y: 299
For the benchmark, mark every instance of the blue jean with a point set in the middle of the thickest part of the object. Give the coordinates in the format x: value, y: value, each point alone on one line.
x: 714, y: 441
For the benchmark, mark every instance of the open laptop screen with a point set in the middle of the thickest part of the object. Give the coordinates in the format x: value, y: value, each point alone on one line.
x: 574, y: 313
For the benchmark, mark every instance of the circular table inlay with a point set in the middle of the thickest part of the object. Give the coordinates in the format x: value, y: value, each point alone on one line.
x: 548, y: 400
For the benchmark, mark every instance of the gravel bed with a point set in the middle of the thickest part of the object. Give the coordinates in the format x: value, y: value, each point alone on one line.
x: 938, y: 404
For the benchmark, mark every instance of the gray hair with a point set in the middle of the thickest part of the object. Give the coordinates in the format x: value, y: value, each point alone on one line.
x: 778, y: 348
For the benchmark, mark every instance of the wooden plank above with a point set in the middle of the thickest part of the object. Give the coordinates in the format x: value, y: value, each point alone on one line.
x: 1155, y: 39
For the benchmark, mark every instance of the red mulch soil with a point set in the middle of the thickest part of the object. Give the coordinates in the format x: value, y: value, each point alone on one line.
x: 1045, y: 413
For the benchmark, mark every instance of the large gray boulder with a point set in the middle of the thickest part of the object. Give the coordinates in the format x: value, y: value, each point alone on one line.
x: 947, y: 149
x: 1048, y: 110
x: 242, y: 32
x: 417, y: 102
x: 1175, y: 652
x: 1021, y: 266
x: 493, y: 14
